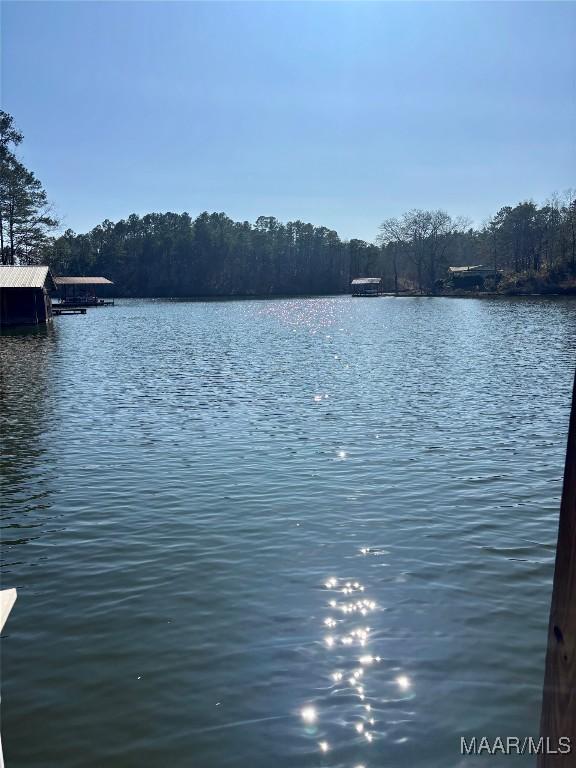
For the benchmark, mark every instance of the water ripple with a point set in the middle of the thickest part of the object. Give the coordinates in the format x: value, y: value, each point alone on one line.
x: 223, y: 517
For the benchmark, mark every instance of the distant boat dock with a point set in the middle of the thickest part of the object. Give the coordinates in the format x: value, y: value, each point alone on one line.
x: 80, y: 292
x: 367, y: 286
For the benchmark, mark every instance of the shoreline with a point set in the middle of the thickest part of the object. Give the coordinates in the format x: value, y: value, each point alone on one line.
x: 386, y: 294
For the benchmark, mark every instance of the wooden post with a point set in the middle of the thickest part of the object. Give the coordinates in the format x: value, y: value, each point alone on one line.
x: 559, y: 697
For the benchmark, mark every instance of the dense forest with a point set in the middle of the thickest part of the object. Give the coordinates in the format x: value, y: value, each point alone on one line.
x: 172, y: 254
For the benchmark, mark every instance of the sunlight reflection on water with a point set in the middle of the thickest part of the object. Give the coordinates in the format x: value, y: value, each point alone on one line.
x: 353, y: 674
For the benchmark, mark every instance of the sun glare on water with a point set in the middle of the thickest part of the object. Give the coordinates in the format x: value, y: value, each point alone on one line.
x: 309, y: 715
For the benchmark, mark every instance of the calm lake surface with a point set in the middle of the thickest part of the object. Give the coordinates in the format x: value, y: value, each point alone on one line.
x: 301, y: 532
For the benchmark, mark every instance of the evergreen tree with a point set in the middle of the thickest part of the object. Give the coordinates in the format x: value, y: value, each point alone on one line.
x: 25, y: 216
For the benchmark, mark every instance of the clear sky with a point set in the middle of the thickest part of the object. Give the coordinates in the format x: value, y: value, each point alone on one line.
x: 341, y: 114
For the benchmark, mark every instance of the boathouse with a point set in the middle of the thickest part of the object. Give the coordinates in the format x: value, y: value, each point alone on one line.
x: 473, y: 277
x: 25, y: 295
x: 81, y: 291
x: 367, y: 286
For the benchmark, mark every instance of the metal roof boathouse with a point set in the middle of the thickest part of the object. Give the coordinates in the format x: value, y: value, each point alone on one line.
x: 367, y: 286
x: 25, y: 295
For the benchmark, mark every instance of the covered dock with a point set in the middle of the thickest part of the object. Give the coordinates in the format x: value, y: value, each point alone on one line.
x: 473, y: 277
x: 81, y: 291
x: 367, y: 286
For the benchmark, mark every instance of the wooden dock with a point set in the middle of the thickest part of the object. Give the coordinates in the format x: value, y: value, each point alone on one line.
x: 79, y: 302
x: 56, y: 310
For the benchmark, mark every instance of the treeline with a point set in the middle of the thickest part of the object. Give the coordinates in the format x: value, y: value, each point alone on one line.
x: 173, y: 255
x: 169, y: 254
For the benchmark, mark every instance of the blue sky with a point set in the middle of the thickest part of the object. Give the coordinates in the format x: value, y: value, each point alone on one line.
x: 341, y: 114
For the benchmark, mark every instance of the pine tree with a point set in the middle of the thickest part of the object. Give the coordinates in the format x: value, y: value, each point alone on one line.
x: 25, y: 215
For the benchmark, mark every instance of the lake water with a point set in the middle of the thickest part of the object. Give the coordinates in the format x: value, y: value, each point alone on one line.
x: 300, y: 532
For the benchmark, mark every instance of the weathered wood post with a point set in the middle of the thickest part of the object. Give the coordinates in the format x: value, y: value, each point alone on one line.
x: 559, y: 697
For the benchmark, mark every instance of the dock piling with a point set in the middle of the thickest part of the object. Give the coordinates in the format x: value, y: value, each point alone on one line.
x: 558, y: 717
